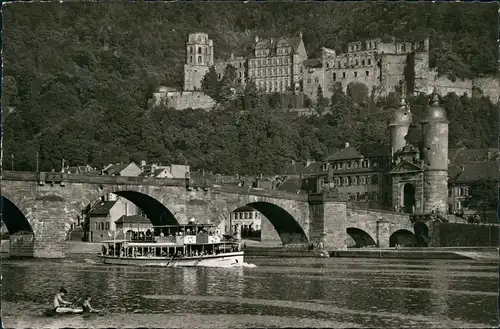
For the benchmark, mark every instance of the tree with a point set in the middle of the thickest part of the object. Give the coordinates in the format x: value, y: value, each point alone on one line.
x: 210, y: 84
x: 483, y: 195
x: 321, y: 101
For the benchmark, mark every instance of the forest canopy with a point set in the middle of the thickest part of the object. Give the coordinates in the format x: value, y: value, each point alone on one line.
x: 77, y: 78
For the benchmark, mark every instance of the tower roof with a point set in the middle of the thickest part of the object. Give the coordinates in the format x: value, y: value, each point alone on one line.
x: 435, y: 112
x: 402, y: 115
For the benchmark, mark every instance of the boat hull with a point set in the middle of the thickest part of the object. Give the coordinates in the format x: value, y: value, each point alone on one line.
x: 226, y: 260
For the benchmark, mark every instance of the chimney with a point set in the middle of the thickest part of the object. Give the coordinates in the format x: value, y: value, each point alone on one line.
x: 346, y: 145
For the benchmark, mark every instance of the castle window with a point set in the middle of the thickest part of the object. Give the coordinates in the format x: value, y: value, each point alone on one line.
x: 281, y: 86
x: 258, y: 62
x: 191, y: 59
x: 337, y: 181
x: 403, y: 48
x: 367, y: 73
x: 348, y: 165
x: 362, y: 180
x: 343, y: 75
x: 269, y: 72
x: 275, y: 86
x: 368, y: 180
x: 274, y: 61
x: 369, y: 61
x: 240, y: 74
x: 199, y: 50
x: 345, y: 181
x: 281, y: 70
x: 341, y: 165
x: 281, y: 60
x: 363, y: 62
x: 308, y: 80
x: 286, y: 70
x: 199, y: 59
x: 268, y: 61
x: 274, y: 71
x: 316, y: 79
x: 334, y: 76
x: 357, y: 62
x: 355, y: 74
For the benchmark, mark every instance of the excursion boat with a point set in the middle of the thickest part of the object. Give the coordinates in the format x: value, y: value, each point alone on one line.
x: 175, y: 246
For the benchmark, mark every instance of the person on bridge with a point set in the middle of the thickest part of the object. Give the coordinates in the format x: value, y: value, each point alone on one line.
x: 60, y: 305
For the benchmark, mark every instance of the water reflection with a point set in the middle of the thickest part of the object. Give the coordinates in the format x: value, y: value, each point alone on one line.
x: 333, y: 292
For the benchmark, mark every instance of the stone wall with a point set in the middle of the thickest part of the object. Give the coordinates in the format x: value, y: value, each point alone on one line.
x: 490, y: 87
x: 463, y: 235
x: 392, y: 68
x: 268, y: 233
x: 22, y: 245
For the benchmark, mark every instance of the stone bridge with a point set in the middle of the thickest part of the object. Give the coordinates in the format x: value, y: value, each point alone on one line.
x: 39, y: 209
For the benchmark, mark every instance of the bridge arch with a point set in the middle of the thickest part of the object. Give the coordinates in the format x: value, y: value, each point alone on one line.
x: 402, y: 237
x: 421, y: 234
x: 14, y: 218
x: 288, y: 228
x: 361, y: 238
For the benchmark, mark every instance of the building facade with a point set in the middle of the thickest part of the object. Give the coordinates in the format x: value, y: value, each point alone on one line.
x: 244, y: 220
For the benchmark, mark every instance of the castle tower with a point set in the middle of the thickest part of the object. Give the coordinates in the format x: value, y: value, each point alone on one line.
x: 435, y: 156
x: 199, y: 58
x: 399, y: 126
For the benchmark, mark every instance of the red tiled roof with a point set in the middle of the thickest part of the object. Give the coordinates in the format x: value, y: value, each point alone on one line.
x: 102, y: 208
x: 347, y: 153
x: 479, y: 170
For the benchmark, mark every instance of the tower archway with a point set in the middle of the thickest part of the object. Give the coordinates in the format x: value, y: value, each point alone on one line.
x: 409, y: 199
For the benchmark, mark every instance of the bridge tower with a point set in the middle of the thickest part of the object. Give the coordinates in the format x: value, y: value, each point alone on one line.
x: 400, y: 124
x: 435, y: 155
x: 199, y: 58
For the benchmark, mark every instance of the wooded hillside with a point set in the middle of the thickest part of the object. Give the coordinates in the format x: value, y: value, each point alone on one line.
x: 77, y: 78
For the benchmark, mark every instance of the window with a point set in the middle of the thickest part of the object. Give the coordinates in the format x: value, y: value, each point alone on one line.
x: 403, y: 48
x: 337, y: 181
x: 348, y: 165
x: 199, y: 50
x: 357, y: 62
x: 369, y: 45
x: 355, y: 74
x: 281, y: 70
x: 274, y: 71
x: 363, y: 62
x: 95, y: 226
x: 367, y: 73
x: 275, y: 85
x: 362, y: 180
x: 334, y: 76
x: 369, y: 61
x: 269, y: 72
x: 354, y: 181
x: 274, y: 61
x: 327, y: 65
x: 459, y: 205
x: 374, y: 179
x: 343, y: 75
x: 286, y: 60
x: 258, y: 62
x: 281, y: 86
x: 341, y: 165
x: 252, y: 73
x: 199, y: 59
x: 345, y: 181
x: 281, y: 60
x: 268, y: 61
x: 107, y: 225
x: 308, y: 80
x: 316, y: 80
x: 286, y: 70
x: 190, y: 50
x: 246, y: 215
x: 368, y: 180
x: 466, y: 191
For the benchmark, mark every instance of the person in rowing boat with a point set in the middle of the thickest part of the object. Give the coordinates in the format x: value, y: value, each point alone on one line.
x: 61, y: 305
x: 83, y: 304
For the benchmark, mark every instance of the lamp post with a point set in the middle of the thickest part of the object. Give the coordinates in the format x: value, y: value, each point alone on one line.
x: 12, y: 162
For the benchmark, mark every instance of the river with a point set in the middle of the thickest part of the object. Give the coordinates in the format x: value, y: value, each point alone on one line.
x: 284, y: 292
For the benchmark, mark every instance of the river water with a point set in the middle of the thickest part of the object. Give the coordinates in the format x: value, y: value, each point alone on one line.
x: 269, y: 292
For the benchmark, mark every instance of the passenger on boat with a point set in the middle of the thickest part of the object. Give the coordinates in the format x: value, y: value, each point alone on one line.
x: 60, y: 304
